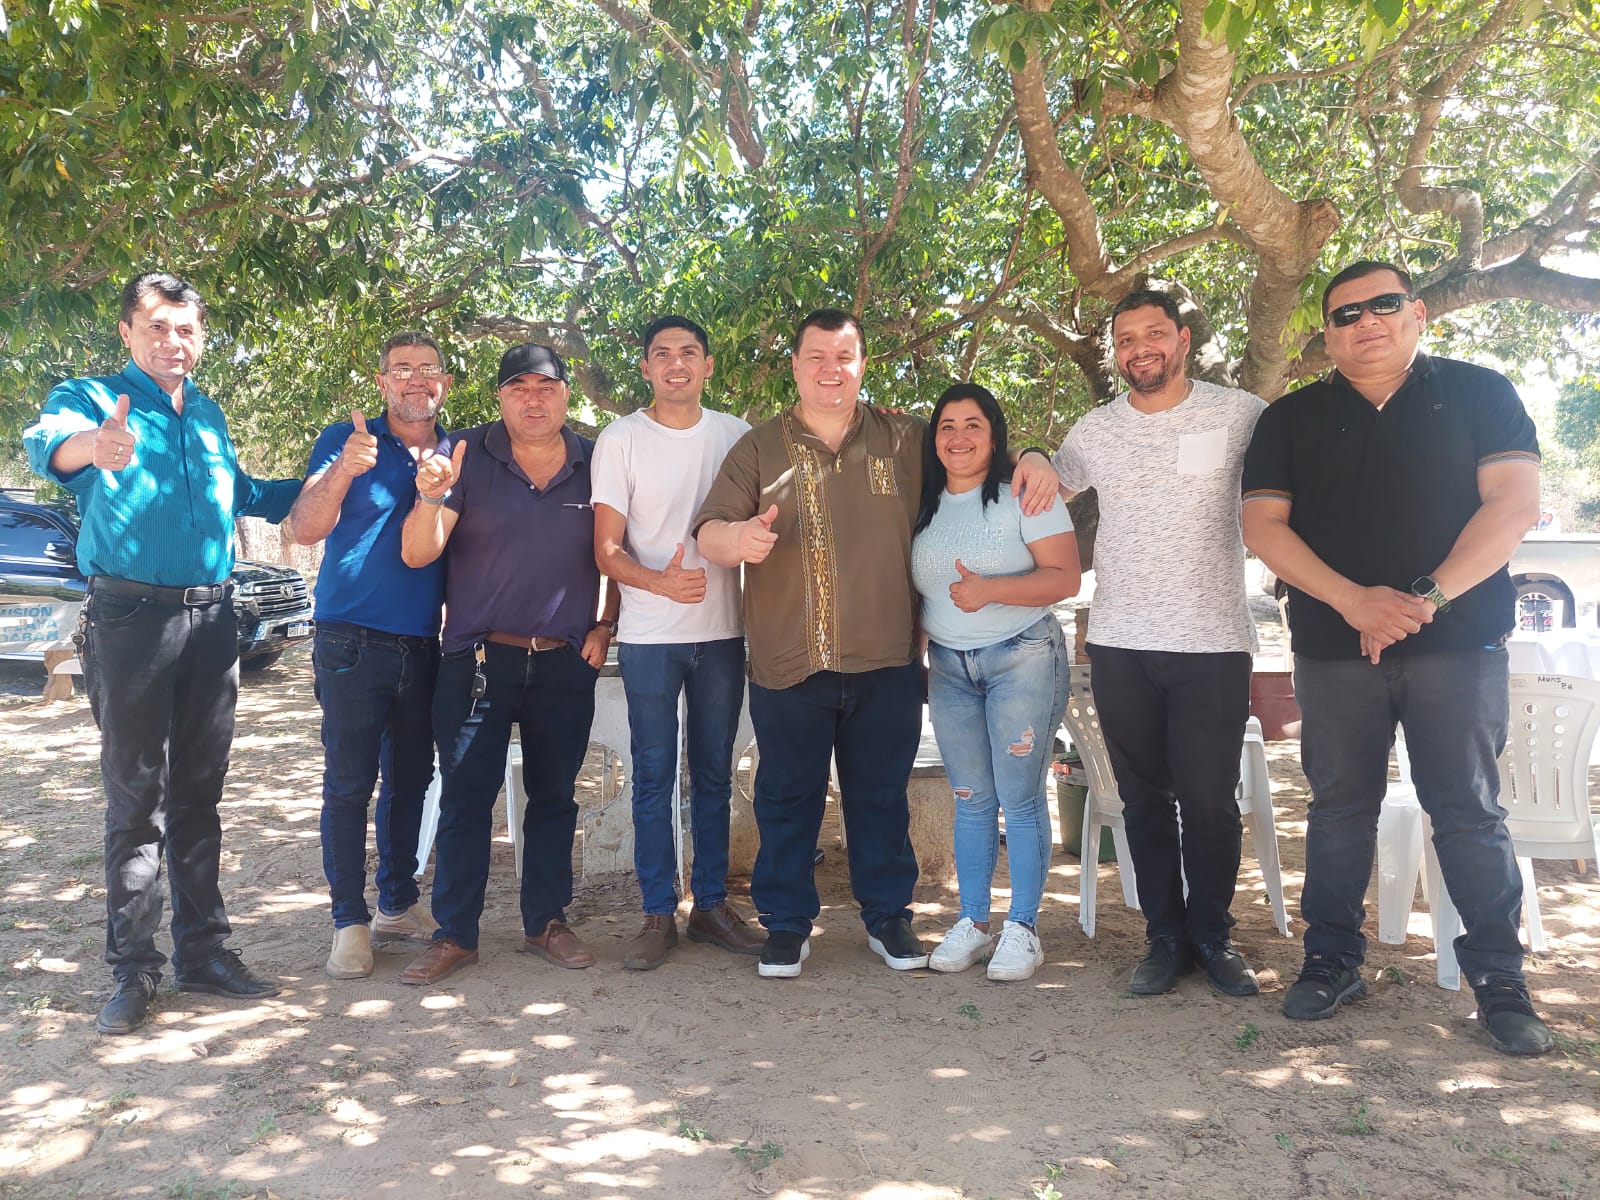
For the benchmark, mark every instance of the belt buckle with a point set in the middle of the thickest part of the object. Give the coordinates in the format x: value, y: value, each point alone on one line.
x: 533, y: 644
x: 195, y: 596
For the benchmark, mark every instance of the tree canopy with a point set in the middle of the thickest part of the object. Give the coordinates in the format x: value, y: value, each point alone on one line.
x: 980, y: 182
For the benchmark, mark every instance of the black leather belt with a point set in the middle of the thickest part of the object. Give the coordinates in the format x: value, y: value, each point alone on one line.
x: 188, y: 597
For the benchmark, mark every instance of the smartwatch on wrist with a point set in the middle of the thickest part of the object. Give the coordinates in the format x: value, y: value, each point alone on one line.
x: 1425, y: 587
x: 607, y: 622
x: 1039, y: 450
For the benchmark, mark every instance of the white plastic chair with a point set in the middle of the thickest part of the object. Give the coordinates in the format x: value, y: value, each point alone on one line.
x: 1405, y: 852
x: 1544, y: 778
x: 1254, y: 795
x: 1103, y: 806
x: 516, y: 801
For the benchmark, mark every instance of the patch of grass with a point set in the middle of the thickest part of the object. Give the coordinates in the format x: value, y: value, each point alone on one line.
x: 688, y: 1129
x: 117, y: 1101
x: 1575, y: 1047
x: 348, y: 1069
x: 969, y: 1011
x: 1508, y: 1156
x: 1392, y: 975
x: 757, y: 1158
x: 7, y: 924
x: 1247, y: 1036
x: 191, y: 1187
x: 266, y: 1127
x: 1284, y: 1141
x: 1358, y: 1123
x: 86, y: 858
x: 1555, y: 1145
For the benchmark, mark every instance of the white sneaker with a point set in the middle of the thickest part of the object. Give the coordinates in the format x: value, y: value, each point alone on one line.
x: 351, y: 957
x: 416, y: 924
x: 964, y: 945
x: 1017, y: 955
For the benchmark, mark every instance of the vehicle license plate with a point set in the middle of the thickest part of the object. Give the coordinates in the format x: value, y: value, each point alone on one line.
x: 298, y: 629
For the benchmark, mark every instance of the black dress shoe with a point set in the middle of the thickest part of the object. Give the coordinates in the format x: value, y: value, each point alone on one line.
x: 128, y: 1006
x: 1225, y: 968
x: 897, y: 944
x: 226, y: 975
x: 1168, y: 960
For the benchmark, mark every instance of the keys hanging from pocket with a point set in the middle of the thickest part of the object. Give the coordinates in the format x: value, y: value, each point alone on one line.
x: 480, y: 681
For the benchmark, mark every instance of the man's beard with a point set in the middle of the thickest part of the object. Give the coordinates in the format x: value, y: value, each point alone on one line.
x: 1154, y: 382
x: 412, y: 411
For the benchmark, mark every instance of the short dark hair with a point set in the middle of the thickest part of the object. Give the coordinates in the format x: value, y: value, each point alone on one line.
x: 934, y: 476
x: 661, y: 324
x: 831, y: 320
x: 411, y: 337
x: 169, y: 287
x: 1146, y: 298
x: 1360, y: 270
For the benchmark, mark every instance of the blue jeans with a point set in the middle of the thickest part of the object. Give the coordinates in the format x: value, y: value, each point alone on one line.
x: 995, y: 713
x: 872, y: 722
x: 711, y: 676
x: 376, y: 692
x: 1454, y: 708
x: 549, y: 695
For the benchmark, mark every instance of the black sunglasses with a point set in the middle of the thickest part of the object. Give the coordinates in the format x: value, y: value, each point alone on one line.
x: 1385, y: 305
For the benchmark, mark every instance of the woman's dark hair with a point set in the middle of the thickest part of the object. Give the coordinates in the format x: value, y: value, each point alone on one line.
x: 934, y: 475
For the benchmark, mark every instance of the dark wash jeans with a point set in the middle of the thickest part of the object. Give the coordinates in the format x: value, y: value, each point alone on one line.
x: 710, y: 676
x: 163, y: 681
x: 549, y: 695
x: 872, y: 722
x: 376, y: 692
x: 1454, y: 707
x: 1174, y: 726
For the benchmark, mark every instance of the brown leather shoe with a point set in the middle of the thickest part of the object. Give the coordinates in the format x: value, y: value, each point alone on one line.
x: 721, y: 925
x: 656, y: 936
x: 559, y: 945
x: 439, y: 961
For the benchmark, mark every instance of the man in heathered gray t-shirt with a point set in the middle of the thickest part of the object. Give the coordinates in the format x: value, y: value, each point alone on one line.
x: 1170, y: 635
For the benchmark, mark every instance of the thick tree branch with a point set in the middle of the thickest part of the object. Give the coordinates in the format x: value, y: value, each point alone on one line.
x: 1463, y: 205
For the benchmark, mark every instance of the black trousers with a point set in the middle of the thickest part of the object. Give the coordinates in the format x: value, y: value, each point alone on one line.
x: 163, y: 681
x: 1174, y: 726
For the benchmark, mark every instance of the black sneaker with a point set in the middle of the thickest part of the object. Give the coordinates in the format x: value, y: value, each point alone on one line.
x: 128, y: 1006
x: 1158, y: 972
x: 1507, y: 1015
x: 1324, y: 985
x: 895, y: 943
x: 226, y: 975
x: 1225, y: 968
x: 784, y: 952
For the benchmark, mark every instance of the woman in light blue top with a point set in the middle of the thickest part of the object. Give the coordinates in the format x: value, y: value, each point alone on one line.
x: 997, y: 668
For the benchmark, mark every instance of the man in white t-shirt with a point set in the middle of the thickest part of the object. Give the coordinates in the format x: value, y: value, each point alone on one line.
x: 680, y: 634
x: 1170, y: 635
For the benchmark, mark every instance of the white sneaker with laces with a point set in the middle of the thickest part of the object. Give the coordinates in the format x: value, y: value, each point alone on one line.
x: 964, y: 945
x: 1017, y: 955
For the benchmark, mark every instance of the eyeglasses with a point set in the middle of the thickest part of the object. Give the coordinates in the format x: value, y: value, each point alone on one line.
x: 405, y: 373
x: 1385, y: 305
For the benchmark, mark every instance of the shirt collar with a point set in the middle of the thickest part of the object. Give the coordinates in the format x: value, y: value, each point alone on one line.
x: 151, y: 390
x: 497, y: 441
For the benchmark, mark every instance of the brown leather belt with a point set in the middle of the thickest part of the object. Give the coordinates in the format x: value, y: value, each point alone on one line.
x: 536, y: 644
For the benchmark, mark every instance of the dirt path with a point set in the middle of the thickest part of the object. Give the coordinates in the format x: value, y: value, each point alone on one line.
x: 702, y: 1080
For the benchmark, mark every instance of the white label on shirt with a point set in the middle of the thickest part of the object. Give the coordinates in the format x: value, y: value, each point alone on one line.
x: 1202, y: 453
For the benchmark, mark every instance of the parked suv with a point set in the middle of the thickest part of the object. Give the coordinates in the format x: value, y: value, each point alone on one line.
x: 41, y: 587
x: 1558, y: 580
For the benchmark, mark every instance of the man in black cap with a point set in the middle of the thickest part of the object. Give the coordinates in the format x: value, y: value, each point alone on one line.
x: 521, y: 645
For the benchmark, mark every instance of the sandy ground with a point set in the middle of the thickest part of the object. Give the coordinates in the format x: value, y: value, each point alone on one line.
x: 702, y: 1080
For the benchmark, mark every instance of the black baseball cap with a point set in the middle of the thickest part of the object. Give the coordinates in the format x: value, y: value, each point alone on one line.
x: 531, y: 359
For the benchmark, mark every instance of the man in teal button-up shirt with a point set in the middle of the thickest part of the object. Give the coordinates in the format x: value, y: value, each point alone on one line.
x: 158, y: 486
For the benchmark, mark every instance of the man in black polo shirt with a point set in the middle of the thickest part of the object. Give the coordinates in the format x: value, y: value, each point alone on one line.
x: 1389, y: 497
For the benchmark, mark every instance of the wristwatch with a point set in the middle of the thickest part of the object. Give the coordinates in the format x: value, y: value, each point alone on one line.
x: 1425, y: 587
x: 607, y: 622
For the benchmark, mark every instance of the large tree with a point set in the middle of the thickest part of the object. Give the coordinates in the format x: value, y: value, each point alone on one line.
x: 979, y: 182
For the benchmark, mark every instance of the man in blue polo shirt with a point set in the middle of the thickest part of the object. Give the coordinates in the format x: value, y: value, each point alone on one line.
x: 521, y: 646
x: 377, y: 650
x: 158, y: 486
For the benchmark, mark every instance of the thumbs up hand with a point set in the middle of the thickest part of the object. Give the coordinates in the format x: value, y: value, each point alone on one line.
x: 437, y: 474
x: 969, y: 591
x: 113, y: 442
x: 686, y: 586
x: 756, y: 538
x: 360, y: 453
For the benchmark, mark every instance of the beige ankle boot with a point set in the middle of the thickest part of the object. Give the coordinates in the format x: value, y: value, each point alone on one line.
x: 352, y: 953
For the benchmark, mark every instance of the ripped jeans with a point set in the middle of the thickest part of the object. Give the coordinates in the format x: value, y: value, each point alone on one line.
x: 995, y: 713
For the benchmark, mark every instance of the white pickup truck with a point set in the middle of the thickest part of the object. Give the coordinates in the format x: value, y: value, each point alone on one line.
x: 1558, y: 580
